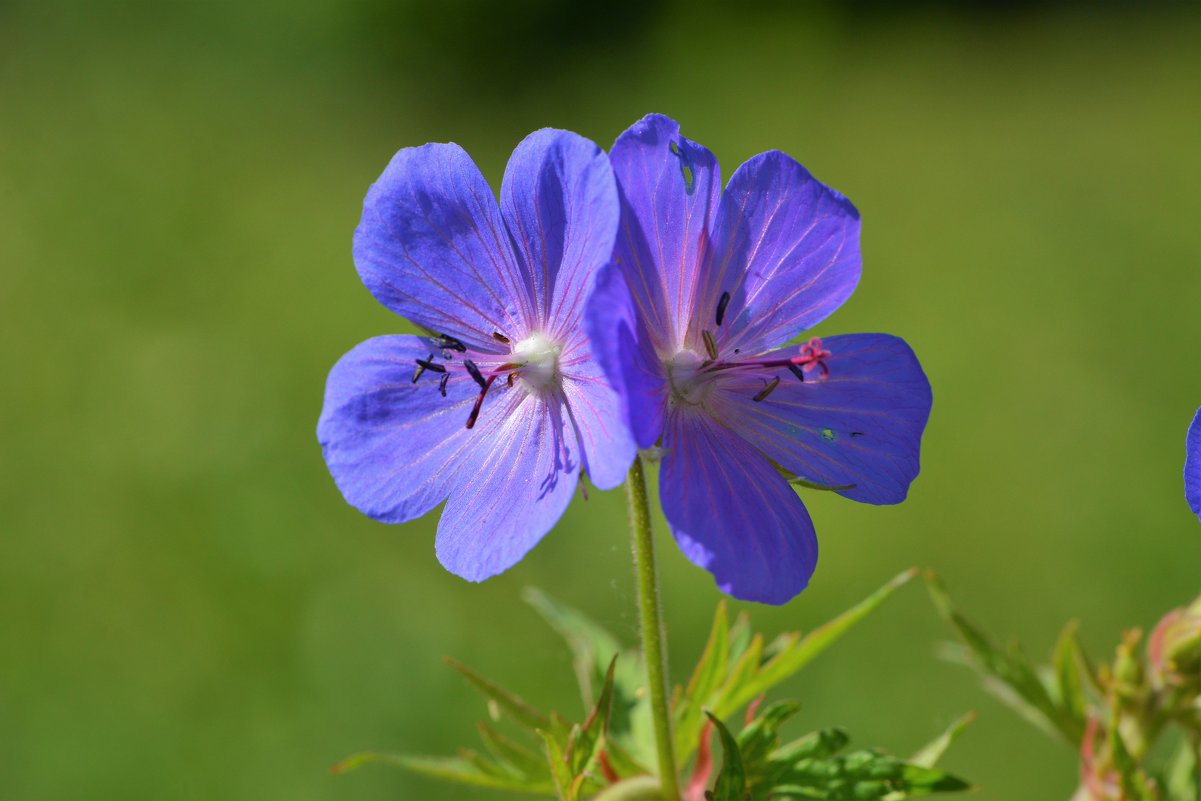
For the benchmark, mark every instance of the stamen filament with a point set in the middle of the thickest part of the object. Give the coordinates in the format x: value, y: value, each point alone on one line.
x: 710, y: 344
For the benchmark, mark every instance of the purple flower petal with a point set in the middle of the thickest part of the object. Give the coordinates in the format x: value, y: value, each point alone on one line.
x: 732, y: 512
x: 859, y: 429
x: 595, y: 412
x: 432, y: 247
x: 670, y: 188
x: 786, y: 248
x: 621, y: 345
x: 522, y: 476
x: 1192, y: 466
x: 393, y: 446
x: 559, y: 201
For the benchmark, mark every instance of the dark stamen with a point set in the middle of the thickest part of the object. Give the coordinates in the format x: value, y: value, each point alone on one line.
x: 763, y: 393
x: 499, y: 337
x: 417, y: 373
x: 710, y: 344
x: 721, y: 306
x: 442, y: 383
x: 475, y: 374
x: 797, y: 371
x: 428, y: 364
x: 448, y: 342
x: 509, y: 380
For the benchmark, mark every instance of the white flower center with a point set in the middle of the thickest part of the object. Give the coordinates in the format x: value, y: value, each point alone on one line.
x: 539, y: 357
x: 688, y: 384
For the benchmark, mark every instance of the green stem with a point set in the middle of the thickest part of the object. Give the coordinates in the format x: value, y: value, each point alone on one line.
x: 653, y: 640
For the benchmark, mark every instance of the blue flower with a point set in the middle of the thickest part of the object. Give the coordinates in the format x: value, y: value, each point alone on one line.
x: 502, y: 407
x: 1192, y: 465
x: 691, y: 323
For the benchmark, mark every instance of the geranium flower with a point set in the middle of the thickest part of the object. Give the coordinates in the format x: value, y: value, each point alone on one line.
x: 502, y: 407
x: 691, y: 323
x: 1192, y: 465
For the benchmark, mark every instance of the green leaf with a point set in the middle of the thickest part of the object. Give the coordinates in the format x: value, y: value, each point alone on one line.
x: 638, y: 788
x: 1070, y: 670
x: 761, y: 736
x: 1009, y: 674
x: 507, y: 751
x: 1134, y: 783
x: 933, y: 751
x: 585, y: 745
x: 740, y: 636
x: 731, y: 781
x: 1182, y: 779
x: 559, y: 771
x: 820, y: 744
x: 455, y: 769
x: 918, y: 780
x: 706, y: 678
x: 515, y: 706
x: 794, y: 655
x: 592, y: 646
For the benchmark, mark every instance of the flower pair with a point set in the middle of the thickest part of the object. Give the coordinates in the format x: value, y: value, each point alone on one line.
x: 611, y: 303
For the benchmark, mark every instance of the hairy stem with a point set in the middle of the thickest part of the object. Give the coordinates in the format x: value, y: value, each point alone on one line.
x: 653, y: 640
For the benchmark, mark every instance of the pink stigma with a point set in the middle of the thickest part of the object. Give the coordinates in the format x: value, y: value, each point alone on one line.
x: 813, y: 355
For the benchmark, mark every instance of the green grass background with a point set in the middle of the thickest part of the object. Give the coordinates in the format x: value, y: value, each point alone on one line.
x: 189, y: 610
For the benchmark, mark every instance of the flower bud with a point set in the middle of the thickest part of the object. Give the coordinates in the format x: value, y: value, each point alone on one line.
x: 1174, y: 649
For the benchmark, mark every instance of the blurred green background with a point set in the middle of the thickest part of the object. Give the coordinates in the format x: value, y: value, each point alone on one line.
x: 189, y: 610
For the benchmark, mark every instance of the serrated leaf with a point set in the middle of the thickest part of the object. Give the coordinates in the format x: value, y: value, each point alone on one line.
x: 820, y: 744
x: 623, y: 763
x: 1069, y: 668
x: 524, y: 713
x: 793, y: 656
x: 929, y: 754
x: 761, y: 736
x: 918, y: 780
x: 507, y: 751
x: 731, y: 780
x: 638, y: 788
x: 740, y: 636
x: 592, y: 646
x: 585, y: 745
x: 1009, y: 674
x: 1182, y: 779
x: 707, y: 677
x: 560, y: 774
x: 711, y: 668
x: 1134, y: 783
x: 454, y: 769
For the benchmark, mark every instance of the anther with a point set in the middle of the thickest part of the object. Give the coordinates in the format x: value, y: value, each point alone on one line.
x: 721, y: 306
x: 475, y: 374
x: 509, y: 380
x: 428, y: 364
x: 763, y: 393
x: 447, y: 342
x: 420, y: 369
x: 442, y: 383
x: 710, y: 345
x: 798, y: 372
x: 499, y: 337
